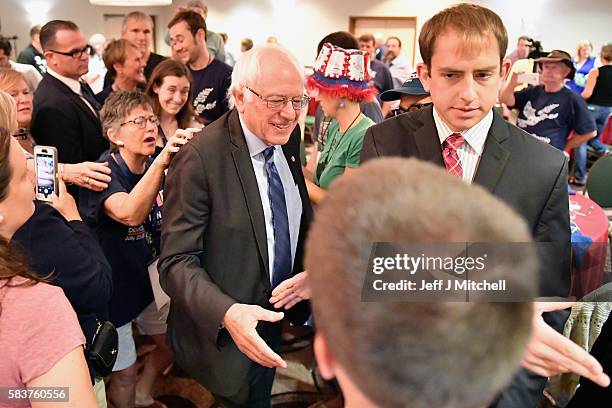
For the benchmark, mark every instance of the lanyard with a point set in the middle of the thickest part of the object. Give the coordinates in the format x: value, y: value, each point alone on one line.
x: 160, y: 131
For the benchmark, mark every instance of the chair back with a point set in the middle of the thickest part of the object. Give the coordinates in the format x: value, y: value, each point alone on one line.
x: 599, y: 182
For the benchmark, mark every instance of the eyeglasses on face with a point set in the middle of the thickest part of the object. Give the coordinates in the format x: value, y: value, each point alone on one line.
x: 141, y: 121
x: 76, y: 54
x: 412, y: 108
x: 278, y: 102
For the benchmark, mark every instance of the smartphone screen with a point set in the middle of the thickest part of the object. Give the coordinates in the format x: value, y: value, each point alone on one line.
x: 44, y: 173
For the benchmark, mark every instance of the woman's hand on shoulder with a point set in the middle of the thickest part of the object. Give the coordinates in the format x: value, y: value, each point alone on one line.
x: 181, y: 137
x: 90, y: 175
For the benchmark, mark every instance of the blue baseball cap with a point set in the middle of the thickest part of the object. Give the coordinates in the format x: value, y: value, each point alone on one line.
x: 412, y: 86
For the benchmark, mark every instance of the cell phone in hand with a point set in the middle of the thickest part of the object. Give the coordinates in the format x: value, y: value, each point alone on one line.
x: 45, y: 162
x: 531, y: 78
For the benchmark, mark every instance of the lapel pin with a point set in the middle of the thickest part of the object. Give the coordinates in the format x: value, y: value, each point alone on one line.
x: 293, y: 159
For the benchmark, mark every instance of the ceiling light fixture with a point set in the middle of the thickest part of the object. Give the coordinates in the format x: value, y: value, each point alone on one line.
x: 131, y: 3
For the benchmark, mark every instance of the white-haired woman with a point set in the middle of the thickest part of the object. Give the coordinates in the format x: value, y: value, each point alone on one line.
x: 127, y: 219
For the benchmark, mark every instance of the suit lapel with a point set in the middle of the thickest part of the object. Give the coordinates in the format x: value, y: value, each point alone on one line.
x: 427, y: 139
x: 494, y: 155
x: 76, y: 99
x: 248, y: 181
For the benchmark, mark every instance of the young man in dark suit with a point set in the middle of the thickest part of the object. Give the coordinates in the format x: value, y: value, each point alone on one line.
x: 463, y: 50
x: 65, y: 111
x: 235, y: 216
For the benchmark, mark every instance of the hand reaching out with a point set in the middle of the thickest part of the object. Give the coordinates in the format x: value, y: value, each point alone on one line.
x: 240, y: 321
x: 550, y: 353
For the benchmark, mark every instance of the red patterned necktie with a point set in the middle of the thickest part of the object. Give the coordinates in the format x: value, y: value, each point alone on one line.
x: 449, y: 153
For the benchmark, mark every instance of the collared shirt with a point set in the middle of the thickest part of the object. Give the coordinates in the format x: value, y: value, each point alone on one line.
x: 73, y: 84
x: 471, y: 151
x: 292, y: 194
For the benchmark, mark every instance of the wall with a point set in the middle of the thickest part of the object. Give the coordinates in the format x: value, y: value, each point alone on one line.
x: 17, y: 16
x: 300, y: 24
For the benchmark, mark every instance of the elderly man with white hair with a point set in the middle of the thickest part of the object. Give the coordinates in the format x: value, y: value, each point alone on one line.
x: 235, y: 217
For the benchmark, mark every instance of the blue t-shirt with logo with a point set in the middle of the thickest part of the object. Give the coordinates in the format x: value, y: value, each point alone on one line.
x: 129, y: 250
x: 209, y: 90
x: 552, y: 115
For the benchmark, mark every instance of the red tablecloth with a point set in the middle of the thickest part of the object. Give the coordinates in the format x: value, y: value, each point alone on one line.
x: 592, y: 222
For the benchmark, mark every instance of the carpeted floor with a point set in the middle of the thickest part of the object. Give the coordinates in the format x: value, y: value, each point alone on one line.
x: 293, y: 387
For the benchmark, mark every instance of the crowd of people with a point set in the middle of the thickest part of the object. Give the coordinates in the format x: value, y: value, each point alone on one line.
x: 184, y: 210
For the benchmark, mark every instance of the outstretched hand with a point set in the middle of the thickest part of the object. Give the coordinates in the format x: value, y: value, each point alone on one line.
x: 240, y: 321
x: 550, y: 353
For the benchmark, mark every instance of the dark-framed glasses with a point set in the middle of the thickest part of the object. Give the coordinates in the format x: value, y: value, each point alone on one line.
x: 76, y: 54
x: 141, y: 121
x: 279, y: 102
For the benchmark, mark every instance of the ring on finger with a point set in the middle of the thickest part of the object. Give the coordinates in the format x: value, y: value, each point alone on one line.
x: 87, y: 180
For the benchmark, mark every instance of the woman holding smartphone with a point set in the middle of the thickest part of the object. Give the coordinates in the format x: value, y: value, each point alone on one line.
x: 40, y: 337
x: 127, y: 219
x: 82, y: 271
x: 168, y: 89
x: 90, y: 175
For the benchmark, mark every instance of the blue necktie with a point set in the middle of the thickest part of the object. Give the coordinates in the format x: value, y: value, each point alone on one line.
x: 89, y: 96
x: 281, y: 269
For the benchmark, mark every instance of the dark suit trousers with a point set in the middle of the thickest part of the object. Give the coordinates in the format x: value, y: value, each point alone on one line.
x: 256, y: 393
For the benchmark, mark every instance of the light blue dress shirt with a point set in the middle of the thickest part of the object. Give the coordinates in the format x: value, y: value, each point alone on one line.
x: 292, y: 194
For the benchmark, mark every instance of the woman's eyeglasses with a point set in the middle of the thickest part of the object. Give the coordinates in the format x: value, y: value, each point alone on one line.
x: 141, y: 121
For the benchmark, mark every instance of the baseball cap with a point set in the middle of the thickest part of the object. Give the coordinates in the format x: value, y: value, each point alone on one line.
x: 412, y: 86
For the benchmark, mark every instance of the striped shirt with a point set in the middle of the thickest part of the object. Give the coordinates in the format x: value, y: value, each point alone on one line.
x: 470, y: 152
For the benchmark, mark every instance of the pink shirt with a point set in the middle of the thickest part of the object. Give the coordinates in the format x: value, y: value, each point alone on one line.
x: 38, y: 327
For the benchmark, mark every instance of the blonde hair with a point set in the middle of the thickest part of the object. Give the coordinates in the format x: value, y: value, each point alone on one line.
x: 8, y: 112
x: 115, y: 53
x: 583, y: 43
x: 9, y: 77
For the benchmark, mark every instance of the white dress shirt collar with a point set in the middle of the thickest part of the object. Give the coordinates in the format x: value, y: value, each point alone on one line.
x: 254, y: 143
x: 474, y: 136
x: 69, y: 82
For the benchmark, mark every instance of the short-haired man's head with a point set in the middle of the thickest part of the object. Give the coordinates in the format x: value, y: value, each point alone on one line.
x: 199, y: 5
x: 137, y: 16
x: 395, y: 352
x: 193, y: 20
x: 367, y: 38
x: 116, y: 52
x: 606, y: 52
x: 342, y: 39
x: 117, y: 107
x: 49, y: 30
x: 248, y: 67
x: 246, y: 44
x: 35, y: 30
x: 394, y: 38
x: 473, y: 23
